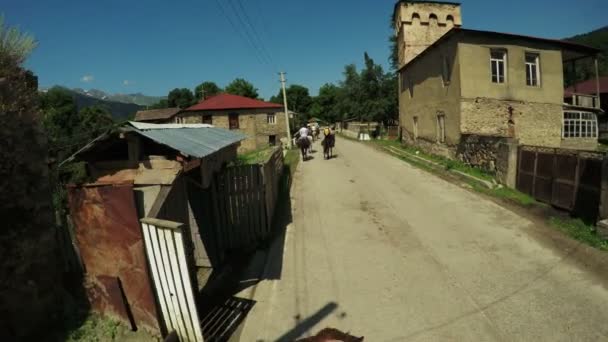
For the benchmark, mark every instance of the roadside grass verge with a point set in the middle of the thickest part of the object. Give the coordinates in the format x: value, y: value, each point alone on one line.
x: 580, y: 231
x: 573, y: 227
x: 254, y: 157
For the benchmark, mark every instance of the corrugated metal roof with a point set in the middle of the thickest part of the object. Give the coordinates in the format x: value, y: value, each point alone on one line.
x: 145, y: 126
x: 195, y: 142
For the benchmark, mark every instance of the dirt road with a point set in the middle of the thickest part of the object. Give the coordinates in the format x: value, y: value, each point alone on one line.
x: 385, y: 250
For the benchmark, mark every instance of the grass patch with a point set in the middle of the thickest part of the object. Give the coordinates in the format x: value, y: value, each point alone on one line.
x: 255, y: 157
x: 291, y: 160
x: 579, y: 230
x: 447, y: 163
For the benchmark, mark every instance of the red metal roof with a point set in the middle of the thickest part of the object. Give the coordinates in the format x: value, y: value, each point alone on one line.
x: 229, y: 101
x: 588, y: 87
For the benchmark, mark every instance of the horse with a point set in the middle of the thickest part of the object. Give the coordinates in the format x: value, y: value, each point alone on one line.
x: 330, y: 334
x: 304, y: 144
x: 328, y: 144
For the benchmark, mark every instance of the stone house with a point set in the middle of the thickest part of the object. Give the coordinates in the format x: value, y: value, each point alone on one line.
x: 262, y: 122
x: 459, y: 85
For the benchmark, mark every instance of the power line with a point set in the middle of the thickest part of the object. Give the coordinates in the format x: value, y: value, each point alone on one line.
x: 241, y: 20
x: 239, y: 32
x: 255, y: 32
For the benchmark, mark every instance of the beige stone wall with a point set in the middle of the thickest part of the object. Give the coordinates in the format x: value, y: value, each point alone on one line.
x: 474, y: 53
x: 532, y: 123
x: 417, y: 28
x: 252, y: 122
x: 424, y: 94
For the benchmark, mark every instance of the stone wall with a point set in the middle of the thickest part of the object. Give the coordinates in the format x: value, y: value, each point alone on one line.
x: 30, y: 274
x: 479, y: 151
x: 531, y: 123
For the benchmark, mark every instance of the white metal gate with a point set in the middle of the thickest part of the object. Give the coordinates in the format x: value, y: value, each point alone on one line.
x: 167, y: 260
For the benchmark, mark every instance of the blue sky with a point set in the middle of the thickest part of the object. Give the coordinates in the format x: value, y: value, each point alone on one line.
x: 154, y: 46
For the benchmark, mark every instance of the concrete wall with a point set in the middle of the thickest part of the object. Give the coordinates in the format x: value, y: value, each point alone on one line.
x: 474, y: 53
x: 416, y: 28
x: 252, y: 122
x: 424, y: 94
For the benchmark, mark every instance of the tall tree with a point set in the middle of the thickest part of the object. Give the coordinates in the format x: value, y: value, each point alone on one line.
x: 242, y: 87
x: 180, y: 97
x: 325, y: 105
x: 298, y: 98
x: 206, y: 89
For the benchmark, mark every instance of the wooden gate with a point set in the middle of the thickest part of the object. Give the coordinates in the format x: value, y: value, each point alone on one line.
x: 567, y: 179
x: 167, y: 261
x: 240, y: 207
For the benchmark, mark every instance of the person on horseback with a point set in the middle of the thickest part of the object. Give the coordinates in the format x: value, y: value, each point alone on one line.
x: 328, y: 142
x: 303, y: 141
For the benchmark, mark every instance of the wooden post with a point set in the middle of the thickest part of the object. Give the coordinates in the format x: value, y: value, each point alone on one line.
x: 597, y: 83
x: 603, y: 210
x: 534, y: 176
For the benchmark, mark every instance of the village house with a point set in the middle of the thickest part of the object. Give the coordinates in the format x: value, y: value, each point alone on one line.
x: 585, y: 94
x: 457, y: 85
x: 156, y: 115
x: 262, y: 122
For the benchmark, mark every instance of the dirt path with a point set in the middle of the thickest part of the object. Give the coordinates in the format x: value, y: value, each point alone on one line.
x: 385, y: 250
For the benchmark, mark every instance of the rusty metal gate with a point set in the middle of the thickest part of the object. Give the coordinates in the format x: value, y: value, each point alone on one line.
x: 567, y: 179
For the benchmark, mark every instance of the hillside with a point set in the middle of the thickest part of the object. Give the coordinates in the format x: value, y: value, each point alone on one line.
x: 120, y: 111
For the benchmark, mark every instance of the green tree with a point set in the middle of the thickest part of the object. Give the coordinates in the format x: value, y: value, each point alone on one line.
x: 298, y: 98
x: 180, y: 97
x: 325, y: 105
x: 207, y: 89
x: 164, y: 103
x: 15, y: 46
x: 242, y: 87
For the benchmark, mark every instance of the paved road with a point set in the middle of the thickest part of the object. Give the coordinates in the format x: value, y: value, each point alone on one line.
x: 385, y: 250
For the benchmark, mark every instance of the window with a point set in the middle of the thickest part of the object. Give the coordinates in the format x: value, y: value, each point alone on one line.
x: 498, y: 64
x: 208, y: 119
x: 179, y: 120
x: 532, y: 69
x: 441, y: 127
x: 579, y: 125
x: 271, y: 119
x: 272, y: 140
x: 233, y: 121
x: 445, y: 71
x: 415, y: 130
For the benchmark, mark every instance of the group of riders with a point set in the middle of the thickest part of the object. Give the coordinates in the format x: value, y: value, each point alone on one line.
x: 308, y: 134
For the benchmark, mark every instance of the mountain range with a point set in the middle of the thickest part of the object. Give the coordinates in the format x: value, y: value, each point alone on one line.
x: 136, y: 98
x: 121, y: 106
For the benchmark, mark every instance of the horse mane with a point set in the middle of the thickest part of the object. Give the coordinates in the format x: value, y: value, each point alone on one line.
x: 331, y: 334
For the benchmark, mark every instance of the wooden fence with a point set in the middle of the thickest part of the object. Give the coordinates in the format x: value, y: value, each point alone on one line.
x: 166, y: 256
x: 244, y: 199
x: 567, y: 179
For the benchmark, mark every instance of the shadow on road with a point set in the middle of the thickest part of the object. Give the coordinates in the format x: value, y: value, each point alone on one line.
x: 304, y: 326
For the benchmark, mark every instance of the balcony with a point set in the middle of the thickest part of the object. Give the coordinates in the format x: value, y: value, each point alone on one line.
x: 582, y: 100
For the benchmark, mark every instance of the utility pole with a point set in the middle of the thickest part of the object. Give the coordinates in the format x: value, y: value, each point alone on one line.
x: 286, y: 111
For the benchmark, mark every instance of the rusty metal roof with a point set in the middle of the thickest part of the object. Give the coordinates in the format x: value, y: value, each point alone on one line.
x: 196, y: 142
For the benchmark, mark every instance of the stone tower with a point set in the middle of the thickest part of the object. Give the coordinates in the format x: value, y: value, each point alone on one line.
x: 419, y: 24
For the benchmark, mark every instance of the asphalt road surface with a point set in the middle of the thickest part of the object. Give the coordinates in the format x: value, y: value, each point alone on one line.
x: 384, y: 250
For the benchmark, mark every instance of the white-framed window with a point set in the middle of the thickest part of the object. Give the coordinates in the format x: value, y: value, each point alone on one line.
x: 271, y: 119
x: 445, y: 70
x: 498, y: 65
x: 441, y: 128
x: 579, y: 125
x: 532, y: 69
x: 179, y: 120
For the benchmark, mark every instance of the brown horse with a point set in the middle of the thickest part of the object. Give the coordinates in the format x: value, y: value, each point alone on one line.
x: 330, y: 334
